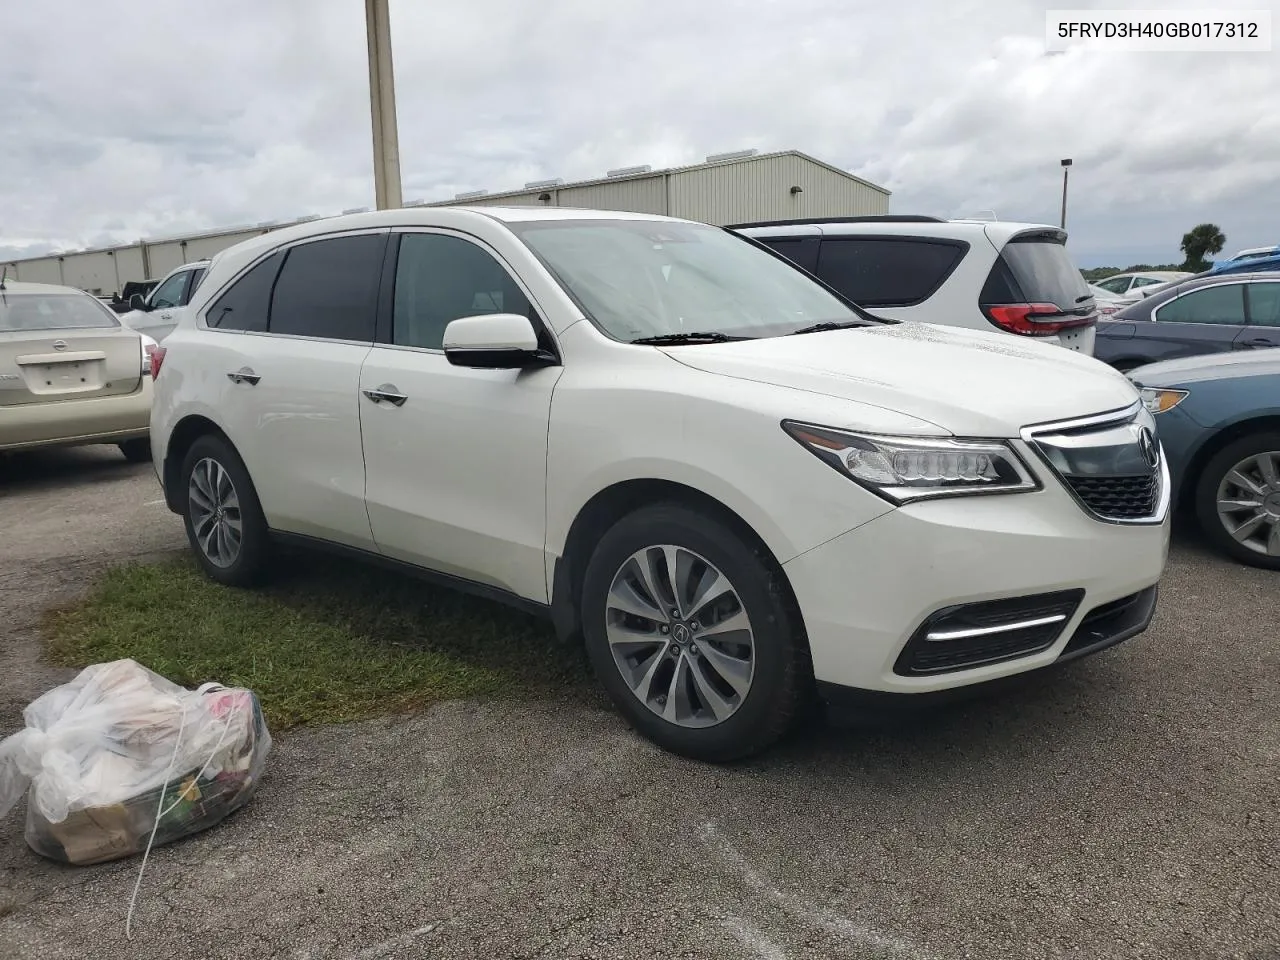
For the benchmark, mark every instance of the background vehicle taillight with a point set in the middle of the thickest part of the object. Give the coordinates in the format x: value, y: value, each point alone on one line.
x: 156, y: 355
x: 1034, y: 319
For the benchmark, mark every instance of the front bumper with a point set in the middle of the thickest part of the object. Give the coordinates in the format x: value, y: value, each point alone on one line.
x: 864, y: 594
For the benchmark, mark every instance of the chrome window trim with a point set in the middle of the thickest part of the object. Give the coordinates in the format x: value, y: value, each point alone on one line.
x: 1031, y: 434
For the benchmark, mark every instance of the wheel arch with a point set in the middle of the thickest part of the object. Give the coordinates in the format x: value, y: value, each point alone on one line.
x: 186, y: 432
x: 1219, y: 440
x: 610, y: 505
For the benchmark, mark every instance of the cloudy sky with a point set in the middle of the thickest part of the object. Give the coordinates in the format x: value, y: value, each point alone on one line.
x: 130, y: 118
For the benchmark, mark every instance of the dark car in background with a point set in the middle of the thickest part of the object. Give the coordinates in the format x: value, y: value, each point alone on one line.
x: 1219, y: 423
x: 1205, y: 314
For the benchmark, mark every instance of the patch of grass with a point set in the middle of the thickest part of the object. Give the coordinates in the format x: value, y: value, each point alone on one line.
x: 329, y: 641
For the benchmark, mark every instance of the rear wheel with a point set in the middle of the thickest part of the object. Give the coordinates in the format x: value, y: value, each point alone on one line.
x: 137, y: 451
x: 1238, y: 500
x: 689, y: 628
x: 225, y: 525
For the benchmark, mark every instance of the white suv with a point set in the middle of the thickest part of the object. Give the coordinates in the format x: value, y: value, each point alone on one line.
x: 982, y: 274
x: 160, y: 311
x: 728, y: 481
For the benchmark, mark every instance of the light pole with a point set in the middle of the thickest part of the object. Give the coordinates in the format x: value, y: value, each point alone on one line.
x: 382, y: 100
x: 1066, y: 166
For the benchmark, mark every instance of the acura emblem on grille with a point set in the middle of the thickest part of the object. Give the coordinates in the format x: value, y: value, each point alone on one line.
x: 1147, y: 444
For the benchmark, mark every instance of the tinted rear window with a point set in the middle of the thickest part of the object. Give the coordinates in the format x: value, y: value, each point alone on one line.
x: 53, y: 311
x: 328, y: 289
x: 246, y: 304
x: 887, y: 272
x: 1036, y: 270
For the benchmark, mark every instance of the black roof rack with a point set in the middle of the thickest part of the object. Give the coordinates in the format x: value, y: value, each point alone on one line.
x: 880, y: 218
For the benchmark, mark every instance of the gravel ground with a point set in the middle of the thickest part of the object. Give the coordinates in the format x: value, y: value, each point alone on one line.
x: 1126, y: 807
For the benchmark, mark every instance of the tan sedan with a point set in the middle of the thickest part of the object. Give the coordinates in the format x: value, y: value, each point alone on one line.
x: 70, y: 372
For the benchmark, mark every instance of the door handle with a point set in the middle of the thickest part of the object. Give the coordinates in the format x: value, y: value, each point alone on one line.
x: 388, y: 392
x: 1259, y: 342
x: 244, y: 375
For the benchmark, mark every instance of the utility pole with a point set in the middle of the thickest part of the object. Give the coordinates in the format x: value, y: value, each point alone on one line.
x: 1066, y: 167
x: 382, y: 100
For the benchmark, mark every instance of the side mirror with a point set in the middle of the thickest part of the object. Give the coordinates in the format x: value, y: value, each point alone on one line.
x: 137, y: 303
x: 494, y: 341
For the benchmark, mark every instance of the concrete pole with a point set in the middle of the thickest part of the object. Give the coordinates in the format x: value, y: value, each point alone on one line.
x: 382, y: 99
x: 1066, y: 167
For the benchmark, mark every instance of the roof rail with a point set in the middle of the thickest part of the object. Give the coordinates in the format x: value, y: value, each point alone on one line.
x: 880, y: 218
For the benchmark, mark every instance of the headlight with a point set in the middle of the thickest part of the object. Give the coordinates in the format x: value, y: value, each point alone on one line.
x: 902, y: 469
x: 1157, y: 400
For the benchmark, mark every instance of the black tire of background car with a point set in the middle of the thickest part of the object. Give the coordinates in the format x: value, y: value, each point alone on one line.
x: 250, y: 566
x: 782, y: 679
x: 137, y: 451
x: 1206, y: 497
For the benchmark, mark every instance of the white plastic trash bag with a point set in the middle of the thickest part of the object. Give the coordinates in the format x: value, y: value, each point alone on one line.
x: 103, y: 755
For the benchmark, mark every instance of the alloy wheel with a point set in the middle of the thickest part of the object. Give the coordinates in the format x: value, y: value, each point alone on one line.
x: 1249, y: 503
x: 214, y: 507
x: 680, y: 636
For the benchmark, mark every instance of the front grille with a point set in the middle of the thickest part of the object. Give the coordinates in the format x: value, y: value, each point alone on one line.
x: 1120, y: 498
x: 1111, y: 464
x: 1033, y: 624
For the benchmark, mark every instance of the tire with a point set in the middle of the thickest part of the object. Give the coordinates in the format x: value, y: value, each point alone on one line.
x: 216, y: 464
x: 749, y: 716
x: 137, y: 451
x: 1246, y: 456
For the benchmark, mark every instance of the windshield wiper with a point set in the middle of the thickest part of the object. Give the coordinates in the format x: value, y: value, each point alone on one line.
x: 696, y: 336
x: 830, y: 325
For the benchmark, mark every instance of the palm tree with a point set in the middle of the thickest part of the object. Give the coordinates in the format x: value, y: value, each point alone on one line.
x: 1203, y: 239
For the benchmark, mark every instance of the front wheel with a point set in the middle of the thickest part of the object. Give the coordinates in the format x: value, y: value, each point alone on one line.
x: 225, y: 525
x: 690, y: 630
x: 1238, y: 500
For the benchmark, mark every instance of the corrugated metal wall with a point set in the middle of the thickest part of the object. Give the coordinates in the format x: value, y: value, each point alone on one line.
x: 734, y: 191
x: 95, y: 272
x: 761, y: 190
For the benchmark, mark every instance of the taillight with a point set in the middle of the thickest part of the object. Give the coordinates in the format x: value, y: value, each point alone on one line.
x: 157, y: 358
x: 1033, y: 319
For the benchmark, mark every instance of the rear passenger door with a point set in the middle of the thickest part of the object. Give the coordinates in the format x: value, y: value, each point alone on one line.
x: 292, y: 335
x: 889, y: 274
x: 1201, y: 321
x: 1262, y: 298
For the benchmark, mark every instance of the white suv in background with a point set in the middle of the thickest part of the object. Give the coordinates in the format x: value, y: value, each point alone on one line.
x: 158, y: 312
x: 982, y: 274
x: 725, y: 479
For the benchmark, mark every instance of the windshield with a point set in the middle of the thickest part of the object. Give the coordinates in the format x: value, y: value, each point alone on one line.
x: 647, y: 278
x: 52, y: 311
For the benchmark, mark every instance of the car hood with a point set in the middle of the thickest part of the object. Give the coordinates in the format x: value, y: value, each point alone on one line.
x: 967, y: 382
x: 1217, y: 366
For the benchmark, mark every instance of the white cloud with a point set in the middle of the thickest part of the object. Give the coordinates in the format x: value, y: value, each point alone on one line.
x: 144, y: 117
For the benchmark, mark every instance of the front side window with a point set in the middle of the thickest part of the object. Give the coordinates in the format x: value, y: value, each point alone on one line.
x: 1222, y: 304
x: 439, y: 279
x: 645, y: 278
x: 169, y: 293
x: 328, y: 289
x: 53, y: 311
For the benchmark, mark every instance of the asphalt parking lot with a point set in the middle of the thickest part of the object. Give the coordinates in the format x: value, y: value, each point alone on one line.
x: 1125, y: 807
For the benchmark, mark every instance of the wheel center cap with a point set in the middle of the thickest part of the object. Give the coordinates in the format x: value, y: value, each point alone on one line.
x: 1272, y: 504
x: 680, y: 633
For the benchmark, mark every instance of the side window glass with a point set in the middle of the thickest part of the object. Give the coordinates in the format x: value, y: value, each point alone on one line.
x: 328, y: 289
x: 440, y: 279
x: 1114, y: 285
x: 196, y: 277
x: 887, y: 272
x: 1223, y: 304
x: 246, y: 304
x: 1264, y: 304
x: 169, y: 293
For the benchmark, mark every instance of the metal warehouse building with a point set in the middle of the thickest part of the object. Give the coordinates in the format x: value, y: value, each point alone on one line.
x: 726, y: 188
